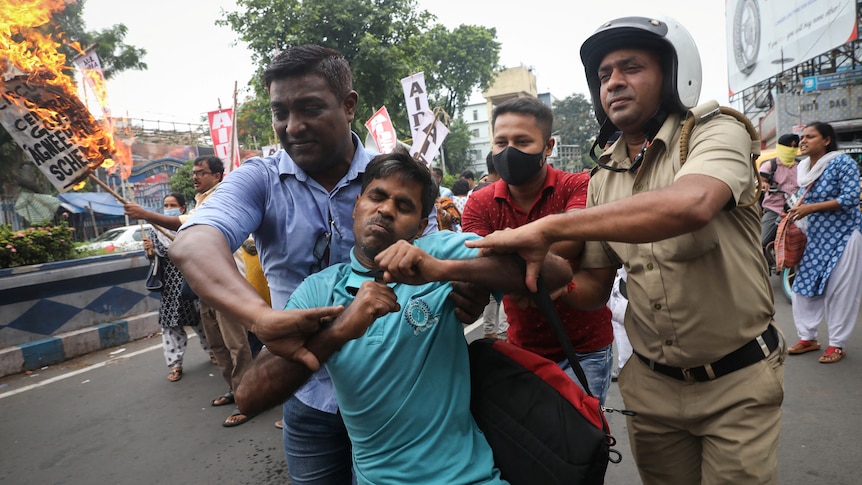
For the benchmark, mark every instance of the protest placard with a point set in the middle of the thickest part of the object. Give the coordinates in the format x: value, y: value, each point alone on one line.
x: 55, y: 130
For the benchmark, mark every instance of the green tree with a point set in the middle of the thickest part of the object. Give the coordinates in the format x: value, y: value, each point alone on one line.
x: 116, y: 56
x: 384, y: 41
x: 458, y: 61
x: 575, y: 123
x: 181, y: 181
x: 457, y: 146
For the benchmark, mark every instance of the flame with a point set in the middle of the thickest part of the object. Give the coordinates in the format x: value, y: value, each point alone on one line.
x: 34, y: 73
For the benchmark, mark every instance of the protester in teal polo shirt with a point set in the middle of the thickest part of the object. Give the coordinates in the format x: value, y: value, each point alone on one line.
x: 397, y: 354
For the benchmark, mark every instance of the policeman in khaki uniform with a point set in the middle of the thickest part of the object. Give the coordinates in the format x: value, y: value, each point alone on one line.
x: 707, y: 377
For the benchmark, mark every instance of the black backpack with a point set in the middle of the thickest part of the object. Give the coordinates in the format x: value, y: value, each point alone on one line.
x: 542, y: 427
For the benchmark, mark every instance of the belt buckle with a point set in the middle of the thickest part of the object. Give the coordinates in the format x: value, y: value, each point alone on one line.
x: 687, y: 375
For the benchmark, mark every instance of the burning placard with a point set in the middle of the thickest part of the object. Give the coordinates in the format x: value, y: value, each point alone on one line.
x: 54, y: 129
x: 39, y: 106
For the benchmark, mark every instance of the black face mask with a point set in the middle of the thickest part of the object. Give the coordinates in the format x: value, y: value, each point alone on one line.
x: 516, y: 167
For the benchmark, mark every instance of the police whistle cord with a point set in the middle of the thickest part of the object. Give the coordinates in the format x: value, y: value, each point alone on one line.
x: 124, y: 201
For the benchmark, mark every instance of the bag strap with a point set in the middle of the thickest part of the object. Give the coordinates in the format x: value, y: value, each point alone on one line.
x: 542, y: 299
x: 706, y: 112
x: 802, y: 195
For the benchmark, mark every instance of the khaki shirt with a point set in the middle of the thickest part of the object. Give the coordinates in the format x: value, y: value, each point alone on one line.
x: 697, y: 297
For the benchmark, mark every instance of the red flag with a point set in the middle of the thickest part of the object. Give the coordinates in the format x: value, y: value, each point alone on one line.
x: 224, y: 137
x: 380, y: 127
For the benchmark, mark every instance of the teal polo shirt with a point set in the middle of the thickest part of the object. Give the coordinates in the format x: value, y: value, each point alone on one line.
x: 403, y: 388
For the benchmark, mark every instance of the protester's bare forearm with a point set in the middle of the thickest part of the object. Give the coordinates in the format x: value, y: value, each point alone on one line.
x: 503, y: 272
x: 589, y: 288
x: 271, y: 379
x: 203, y: 256
x: 268, y: 382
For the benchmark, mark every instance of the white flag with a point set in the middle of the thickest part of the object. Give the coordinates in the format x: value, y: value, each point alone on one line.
x: 94, y: 78
x: 416, y: 97
x: 427, y: 142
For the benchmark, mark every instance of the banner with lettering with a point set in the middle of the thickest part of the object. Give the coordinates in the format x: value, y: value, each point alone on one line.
x: 56, y: 132
x: 427, y: 143
x: 381, y: 129
x: 91, y: 70
x: 416, y: 97
x: 224, y: 136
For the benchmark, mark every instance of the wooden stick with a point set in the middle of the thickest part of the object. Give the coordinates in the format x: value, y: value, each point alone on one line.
x: 123, y: 201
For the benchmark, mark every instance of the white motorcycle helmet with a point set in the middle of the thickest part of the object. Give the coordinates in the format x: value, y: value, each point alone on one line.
x: 680, y: 59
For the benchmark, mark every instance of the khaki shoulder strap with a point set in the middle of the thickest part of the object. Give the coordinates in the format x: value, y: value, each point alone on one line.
x: 705, y: 112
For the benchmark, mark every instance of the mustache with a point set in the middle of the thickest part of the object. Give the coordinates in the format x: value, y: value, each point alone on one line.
x: 386, y: 222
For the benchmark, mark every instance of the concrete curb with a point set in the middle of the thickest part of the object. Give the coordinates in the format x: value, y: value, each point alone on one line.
x: 54, y: 350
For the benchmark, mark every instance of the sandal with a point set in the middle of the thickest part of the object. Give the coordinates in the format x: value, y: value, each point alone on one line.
x: 241, y: 418
x: 279, y: 424
x: 832, y: 354
x: 804, y: 346
x: 175, y: 374
x: 213, y: 359
x: 224, y: 399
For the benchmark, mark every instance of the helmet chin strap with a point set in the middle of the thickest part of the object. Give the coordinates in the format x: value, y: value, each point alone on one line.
x: 650, y: 128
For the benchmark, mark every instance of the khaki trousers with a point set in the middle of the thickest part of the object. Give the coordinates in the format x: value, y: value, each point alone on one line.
x: 720, y: 431
x: 228, y: 340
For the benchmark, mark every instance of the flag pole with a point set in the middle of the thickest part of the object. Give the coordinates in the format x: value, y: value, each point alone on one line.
x: 233, y: 135
x: 117, y: 196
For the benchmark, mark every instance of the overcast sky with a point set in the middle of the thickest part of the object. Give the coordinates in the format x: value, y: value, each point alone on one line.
x: 193, y: 64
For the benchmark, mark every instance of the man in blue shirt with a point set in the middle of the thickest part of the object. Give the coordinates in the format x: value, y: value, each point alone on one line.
x: 397, y: 354
x: 298, y: 204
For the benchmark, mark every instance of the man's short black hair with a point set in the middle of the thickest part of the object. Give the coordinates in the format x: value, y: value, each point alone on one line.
x: 461, y: 187
x: 213, y: 162
x: 468, y: 174
x: 312, y: 59
x: 399, y: 162
x: 527, y: 106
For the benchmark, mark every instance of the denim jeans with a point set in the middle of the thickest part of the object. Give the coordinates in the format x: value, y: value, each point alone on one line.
x: 597, y: 367
x: 316, y: 446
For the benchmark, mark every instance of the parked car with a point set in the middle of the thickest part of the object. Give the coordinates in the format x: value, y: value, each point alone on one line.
x: 120, y: 239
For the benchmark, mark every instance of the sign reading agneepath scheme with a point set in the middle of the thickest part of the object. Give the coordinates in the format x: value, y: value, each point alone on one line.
x: 55, y: 130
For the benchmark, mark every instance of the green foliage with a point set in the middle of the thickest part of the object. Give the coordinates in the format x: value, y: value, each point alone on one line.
x: 181, y: 181
x: 457, y: 61
x: 384, y: 40
x: 575, y: 121
x: 34, y: 245
x: 254, y: 118
x: 457, y: 147
x: 449, y: 179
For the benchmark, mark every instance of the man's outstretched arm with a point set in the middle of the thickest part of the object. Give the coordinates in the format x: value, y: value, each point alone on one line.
x: 407, y: 263
x: 202, y: 254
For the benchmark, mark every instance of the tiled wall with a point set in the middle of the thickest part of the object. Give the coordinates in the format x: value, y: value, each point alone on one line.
x: 41, y: 301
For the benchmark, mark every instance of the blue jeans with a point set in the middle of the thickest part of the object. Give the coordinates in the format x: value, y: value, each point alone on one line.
x: 597, y: 367
x: 316, y: 446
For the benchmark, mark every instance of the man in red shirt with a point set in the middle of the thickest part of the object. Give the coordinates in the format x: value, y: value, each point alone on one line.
x: 529, y: 190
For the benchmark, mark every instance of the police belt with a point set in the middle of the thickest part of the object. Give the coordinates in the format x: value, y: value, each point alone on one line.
x: 750, y: 353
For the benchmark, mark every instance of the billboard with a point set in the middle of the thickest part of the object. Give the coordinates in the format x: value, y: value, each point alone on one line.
x: 764, y: 36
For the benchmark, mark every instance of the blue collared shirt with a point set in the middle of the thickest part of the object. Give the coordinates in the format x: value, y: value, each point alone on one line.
x: 289, y: 213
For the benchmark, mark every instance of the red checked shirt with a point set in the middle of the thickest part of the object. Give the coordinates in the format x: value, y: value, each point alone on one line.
x: 492, y: 209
